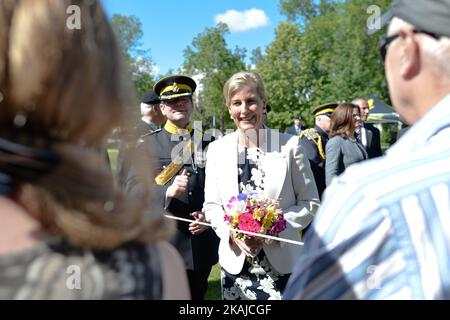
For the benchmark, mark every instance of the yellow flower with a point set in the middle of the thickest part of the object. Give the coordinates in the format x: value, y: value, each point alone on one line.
x: 258, y: 214
x: 235, y: 220
x: 268, y: 220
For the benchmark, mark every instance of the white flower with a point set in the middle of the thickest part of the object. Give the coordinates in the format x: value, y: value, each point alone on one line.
x: 243, y: 283
x: 272, y: 274
x: 253, y: 154
x: 222, y: 276
x: 258, y: 270
x: 248, y: 295
x: 257, y: 176
x: 266, y: 285
x: 230, y: 294
x: 247, y: 188
x: 274, y: 295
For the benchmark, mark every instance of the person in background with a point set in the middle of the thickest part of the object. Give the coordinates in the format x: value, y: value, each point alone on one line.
x: 257, y: 159
x: 180, y: 178
x: 297, y: 127
x: 383, y: 233
x: 66, y: 231
x: 152, y: 119
x: 343, y: 150
x: 366, y: 133
x: 314, y: 141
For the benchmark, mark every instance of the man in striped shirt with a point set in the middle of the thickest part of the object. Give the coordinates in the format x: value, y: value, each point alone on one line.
x: 383, y: 231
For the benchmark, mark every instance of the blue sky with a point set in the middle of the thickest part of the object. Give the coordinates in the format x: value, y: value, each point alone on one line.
x: 170, y: 26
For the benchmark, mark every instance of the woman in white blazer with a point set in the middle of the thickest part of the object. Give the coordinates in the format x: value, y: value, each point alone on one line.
x: 257, y: 159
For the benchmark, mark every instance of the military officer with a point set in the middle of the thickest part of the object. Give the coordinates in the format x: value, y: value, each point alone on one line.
x: 314, y: 140
x: 176, y: 152
x: 151, y: 120
x: 152, y: 117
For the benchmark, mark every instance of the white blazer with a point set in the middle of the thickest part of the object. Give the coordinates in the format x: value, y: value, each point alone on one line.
x: 288, y: 177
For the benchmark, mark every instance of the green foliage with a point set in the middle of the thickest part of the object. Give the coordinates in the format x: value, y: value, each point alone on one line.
x: 389, y: 133
x: 279, y: 68
x: 209, y: 57
x: 128, y: 30
x: 323, y: 55
x: 302, y: 11
x: 214, y: 287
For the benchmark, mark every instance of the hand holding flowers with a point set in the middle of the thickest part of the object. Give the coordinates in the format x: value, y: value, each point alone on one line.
x: 256, y: 214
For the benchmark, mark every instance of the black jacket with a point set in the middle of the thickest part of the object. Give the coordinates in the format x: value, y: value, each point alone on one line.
x: 197, y: 251
x: 315, y: 160
x: 373, y: 147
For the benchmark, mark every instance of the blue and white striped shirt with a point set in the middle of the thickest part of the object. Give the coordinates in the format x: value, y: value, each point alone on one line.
x: 383, y: 231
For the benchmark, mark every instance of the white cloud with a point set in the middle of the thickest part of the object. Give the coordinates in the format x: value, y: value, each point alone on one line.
x: 155, y: 69
x: 243, y: 21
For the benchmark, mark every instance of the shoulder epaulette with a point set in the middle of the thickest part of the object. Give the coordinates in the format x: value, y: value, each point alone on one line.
x: 310, y: 134
x: 148, y: 134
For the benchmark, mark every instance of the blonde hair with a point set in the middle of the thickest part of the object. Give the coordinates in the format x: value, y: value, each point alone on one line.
x: 240, y: 79
x: 70, y: 85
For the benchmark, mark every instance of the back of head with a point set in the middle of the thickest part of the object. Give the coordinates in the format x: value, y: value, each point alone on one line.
x: 323, y: 115
x: 62, y: 90
x: 342, y: 123
x: 359, y: 102
x: 429, y: 17
x: 148, y: 100
x: 424, y: 15
x: 57, y: 77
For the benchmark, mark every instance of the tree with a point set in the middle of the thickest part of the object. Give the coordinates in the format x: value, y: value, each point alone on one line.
x: 280, y: 69
x: 128, y: 30
x: 210, y: 58
x: 302, y: 11
x: 325, y: 55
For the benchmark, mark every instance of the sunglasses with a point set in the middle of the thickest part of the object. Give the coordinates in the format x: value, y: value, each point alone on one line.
x: 387, y: 40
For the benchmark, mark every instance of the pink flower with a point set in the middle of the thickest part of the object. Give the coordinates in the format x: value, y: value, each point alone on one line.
x: 279, y: 226
x: 247, y: 223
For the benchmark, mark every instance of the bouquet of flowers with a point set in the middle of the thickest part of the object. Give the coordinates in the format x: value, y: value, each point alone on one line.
x: 253, y: 213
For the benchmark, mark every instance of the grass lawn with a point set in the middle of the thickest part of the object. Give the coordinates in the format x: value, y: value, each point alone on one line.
x: 213, y: 292
x: 112, y: 153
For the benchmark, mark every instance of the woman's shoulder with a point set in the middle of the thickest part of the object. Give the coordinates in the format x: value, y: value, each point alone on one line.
x: 285, y: 140
x: 223, y: 140
x: 56, y: 270
x: 336, y: 140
